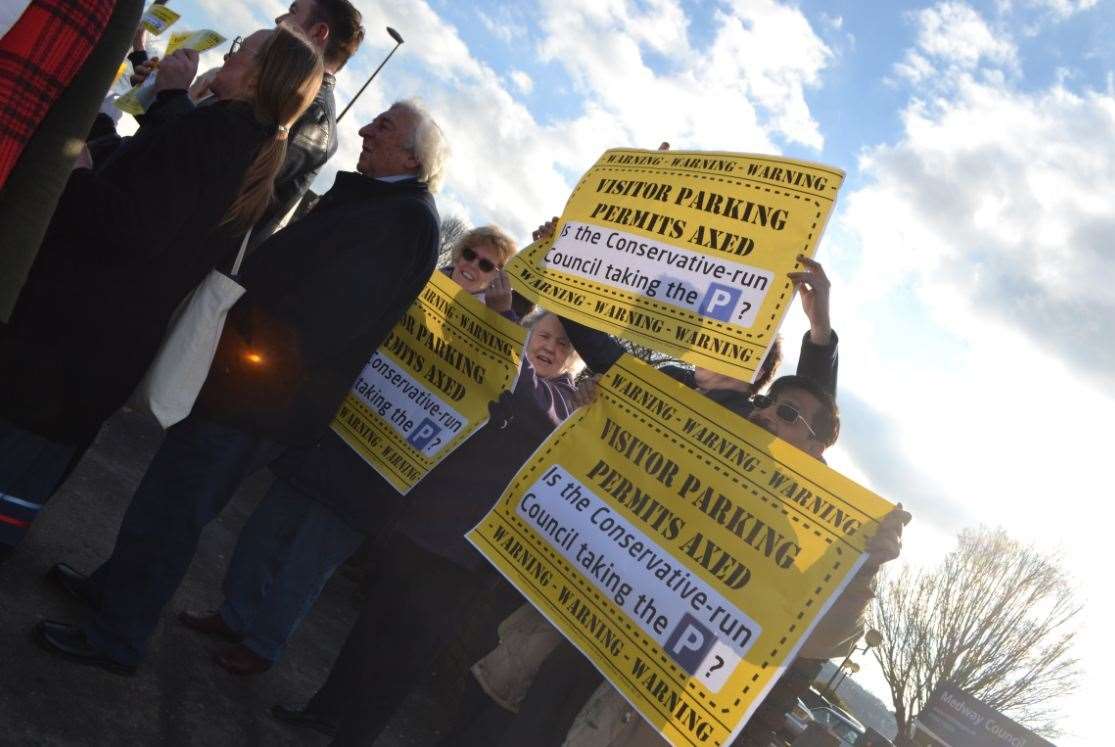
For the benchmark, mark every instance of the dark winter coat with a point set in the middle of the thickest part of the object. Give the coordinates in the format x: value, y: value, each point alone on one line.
x: 457, y: 493
x: 322, y: 295
x: 125, y: 246
x: 312, y: 142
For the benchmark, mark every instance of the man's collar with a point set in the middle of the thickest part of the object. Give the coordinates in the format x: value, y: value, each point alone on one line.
x: 397, y: 178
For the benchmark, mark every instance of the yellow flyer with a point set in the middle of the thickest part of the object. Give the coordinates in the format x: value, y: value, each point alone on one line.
x: 427, y: 388
x: 684, y: 252
x: 199, y: 41
x: 158, y: 18
x: 136, y: 101
x: 685, y: 551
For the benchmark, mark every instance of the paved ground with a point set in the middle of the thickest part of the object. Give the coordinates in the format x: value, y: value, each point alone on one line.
x: 178, y: 697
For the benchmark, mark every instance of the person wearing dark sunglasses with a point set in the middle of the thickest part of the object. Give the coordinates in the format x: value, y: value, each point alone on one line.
x: 477, y: 256
x: 798, y: 410
x: 476, y: 264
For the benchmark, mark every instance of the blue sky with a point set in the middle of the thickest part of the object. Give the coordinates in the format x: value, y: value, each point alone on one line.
x: 970, y: 249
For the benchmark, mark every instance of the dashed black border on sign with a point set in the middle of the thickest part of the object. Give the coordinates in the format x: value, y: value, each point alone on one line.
x: 526, y: 477
x: 734, y: 156
x: 688, y: 316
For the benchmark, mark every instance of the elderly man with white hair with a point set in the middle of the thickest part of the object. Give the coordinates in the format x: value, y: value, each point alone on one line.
x: 322, y: 295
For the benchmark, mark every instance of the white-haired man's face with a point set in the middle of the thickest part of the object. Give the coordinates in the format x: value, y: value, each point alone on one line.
x: 387, y: 144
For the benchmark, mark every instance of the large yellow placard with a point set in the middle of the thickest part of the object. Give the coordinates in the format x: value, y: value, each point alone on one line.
x: 684, y: 252
x: 427, y: 388
x: 684, y: 550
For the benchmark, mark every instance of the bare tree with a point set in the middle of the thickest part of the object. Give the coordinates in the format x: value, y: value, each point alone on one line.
x: 993, y: 619
x: 453, y: 227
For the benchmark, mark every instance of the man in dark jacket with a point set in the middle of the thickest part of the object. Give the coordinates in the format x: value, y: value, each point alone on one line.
x: 322, y: 295
x: 335, y: 27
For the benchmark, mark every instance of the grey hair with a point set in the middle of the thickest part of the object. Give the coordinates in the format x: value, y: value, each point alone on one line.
x: 573, y: 364
x: 428, y: 144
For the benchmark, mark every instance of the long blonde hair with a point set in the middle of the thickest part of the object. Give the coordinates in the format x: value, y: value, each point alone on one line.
x: 288, y: 72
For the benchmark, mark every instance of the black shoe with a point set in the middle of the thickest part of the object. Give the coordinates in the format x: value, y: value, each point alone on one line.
x: 73, y: 583
x: 69, y: 642
x: 303, y: 717
x: 209, y: 623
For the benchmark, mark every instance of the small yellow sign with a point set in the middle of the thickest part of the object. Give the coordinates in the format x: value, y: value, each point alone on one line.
x: 683, y: 252
x: 687, y: 552
x: 427, y: 389
x: 159, y: 18
x: 199, y: 41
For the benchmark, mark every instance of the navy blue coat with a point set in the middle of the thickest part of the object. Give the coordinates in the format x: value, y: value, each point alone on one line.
x: 322, y: 295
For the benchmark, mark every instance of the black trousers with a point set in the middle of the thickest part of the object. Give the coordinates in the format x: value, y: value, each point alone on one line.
x: 418, y: 604
x: 564, y: 683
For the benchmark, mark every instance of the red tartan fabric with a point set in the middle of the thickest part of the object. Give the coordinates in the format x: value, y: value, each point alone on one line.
x: 39, y: 56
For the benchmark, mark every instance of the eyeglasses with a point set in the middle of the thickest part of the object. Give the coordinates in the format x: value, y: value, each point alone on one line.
x: 235, y: 46
x: 485, y: 265
x: 786, y: 413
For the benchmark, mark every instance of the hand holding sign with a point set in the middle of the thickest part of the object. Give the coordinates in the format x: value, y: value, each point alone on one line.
x: 813, y: 285
x: 143, y: 70
x: 497, y: 297
x: 886, y: 544
x: 545, y: 231
x: 177, y: 71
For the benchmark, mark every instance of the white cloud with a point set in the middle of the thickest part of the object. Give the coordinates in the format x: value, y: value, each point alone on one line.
x: 1057, y: 8
x: 239, y: 18
x: 522, y: 81
x: 746, y: 91
x: 1002, y: 197
x: 953, y: 35
x: 745, y: 87
x: 975, y: 282
x: 507, y: 28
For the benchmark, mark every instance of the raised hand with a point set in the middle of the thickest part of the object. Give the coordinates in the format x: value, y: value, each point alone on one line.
x: 813, y: 286
x: 177, y: 72
x: 498, y: 294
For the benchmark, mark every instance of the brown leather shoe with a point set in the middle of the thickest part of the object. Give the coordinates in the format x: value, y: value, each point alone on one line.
x: 210, y: 623
x: 242, y: 661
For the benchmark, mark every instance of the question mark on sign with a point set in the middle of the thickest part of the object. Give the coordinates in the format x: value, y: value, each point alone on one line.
x: 719, y: 664
x: 437, y: 442
x: 746, y: 308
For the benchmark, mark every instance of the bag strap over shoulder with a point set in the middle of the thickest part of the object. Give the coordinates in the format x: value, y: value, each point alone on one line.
x: 240, y: 254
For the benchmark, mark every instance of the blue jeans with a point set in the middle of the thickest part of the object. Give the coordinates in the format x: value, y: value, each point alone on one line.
x: 195, y: 473
x: 31, y: 470
x: 289, y: 548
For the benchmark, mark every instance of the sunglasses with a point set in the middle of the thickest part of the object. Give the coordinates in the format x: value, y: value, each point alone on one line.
x: 786, y: 413
x: 485, y: 265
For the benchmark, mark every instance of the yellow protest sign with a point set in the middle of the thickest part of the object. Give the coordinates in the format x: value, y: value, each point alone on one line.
x: 684, y: 252
x: 199, y: 41
x: 687, y: 552
x: 158, y: 18
x: 136, y: 101
x: 427, y: 388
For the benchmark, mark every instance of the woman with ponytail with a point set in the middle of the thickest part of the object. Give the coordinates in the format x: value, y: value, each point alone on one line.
x: 126, y: 245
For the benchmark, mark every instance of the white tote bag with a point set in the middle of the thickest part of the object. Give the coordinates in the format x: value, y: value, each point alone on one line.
x: 180, y: 368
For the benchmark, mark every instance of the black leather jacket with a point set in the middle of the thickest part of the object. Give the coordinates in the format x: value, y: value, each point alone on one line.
x: 312, y: 142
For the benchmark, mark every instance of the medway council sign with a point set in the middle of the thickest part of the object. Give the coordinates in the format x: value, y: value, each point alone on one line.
x: 953, y: 718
